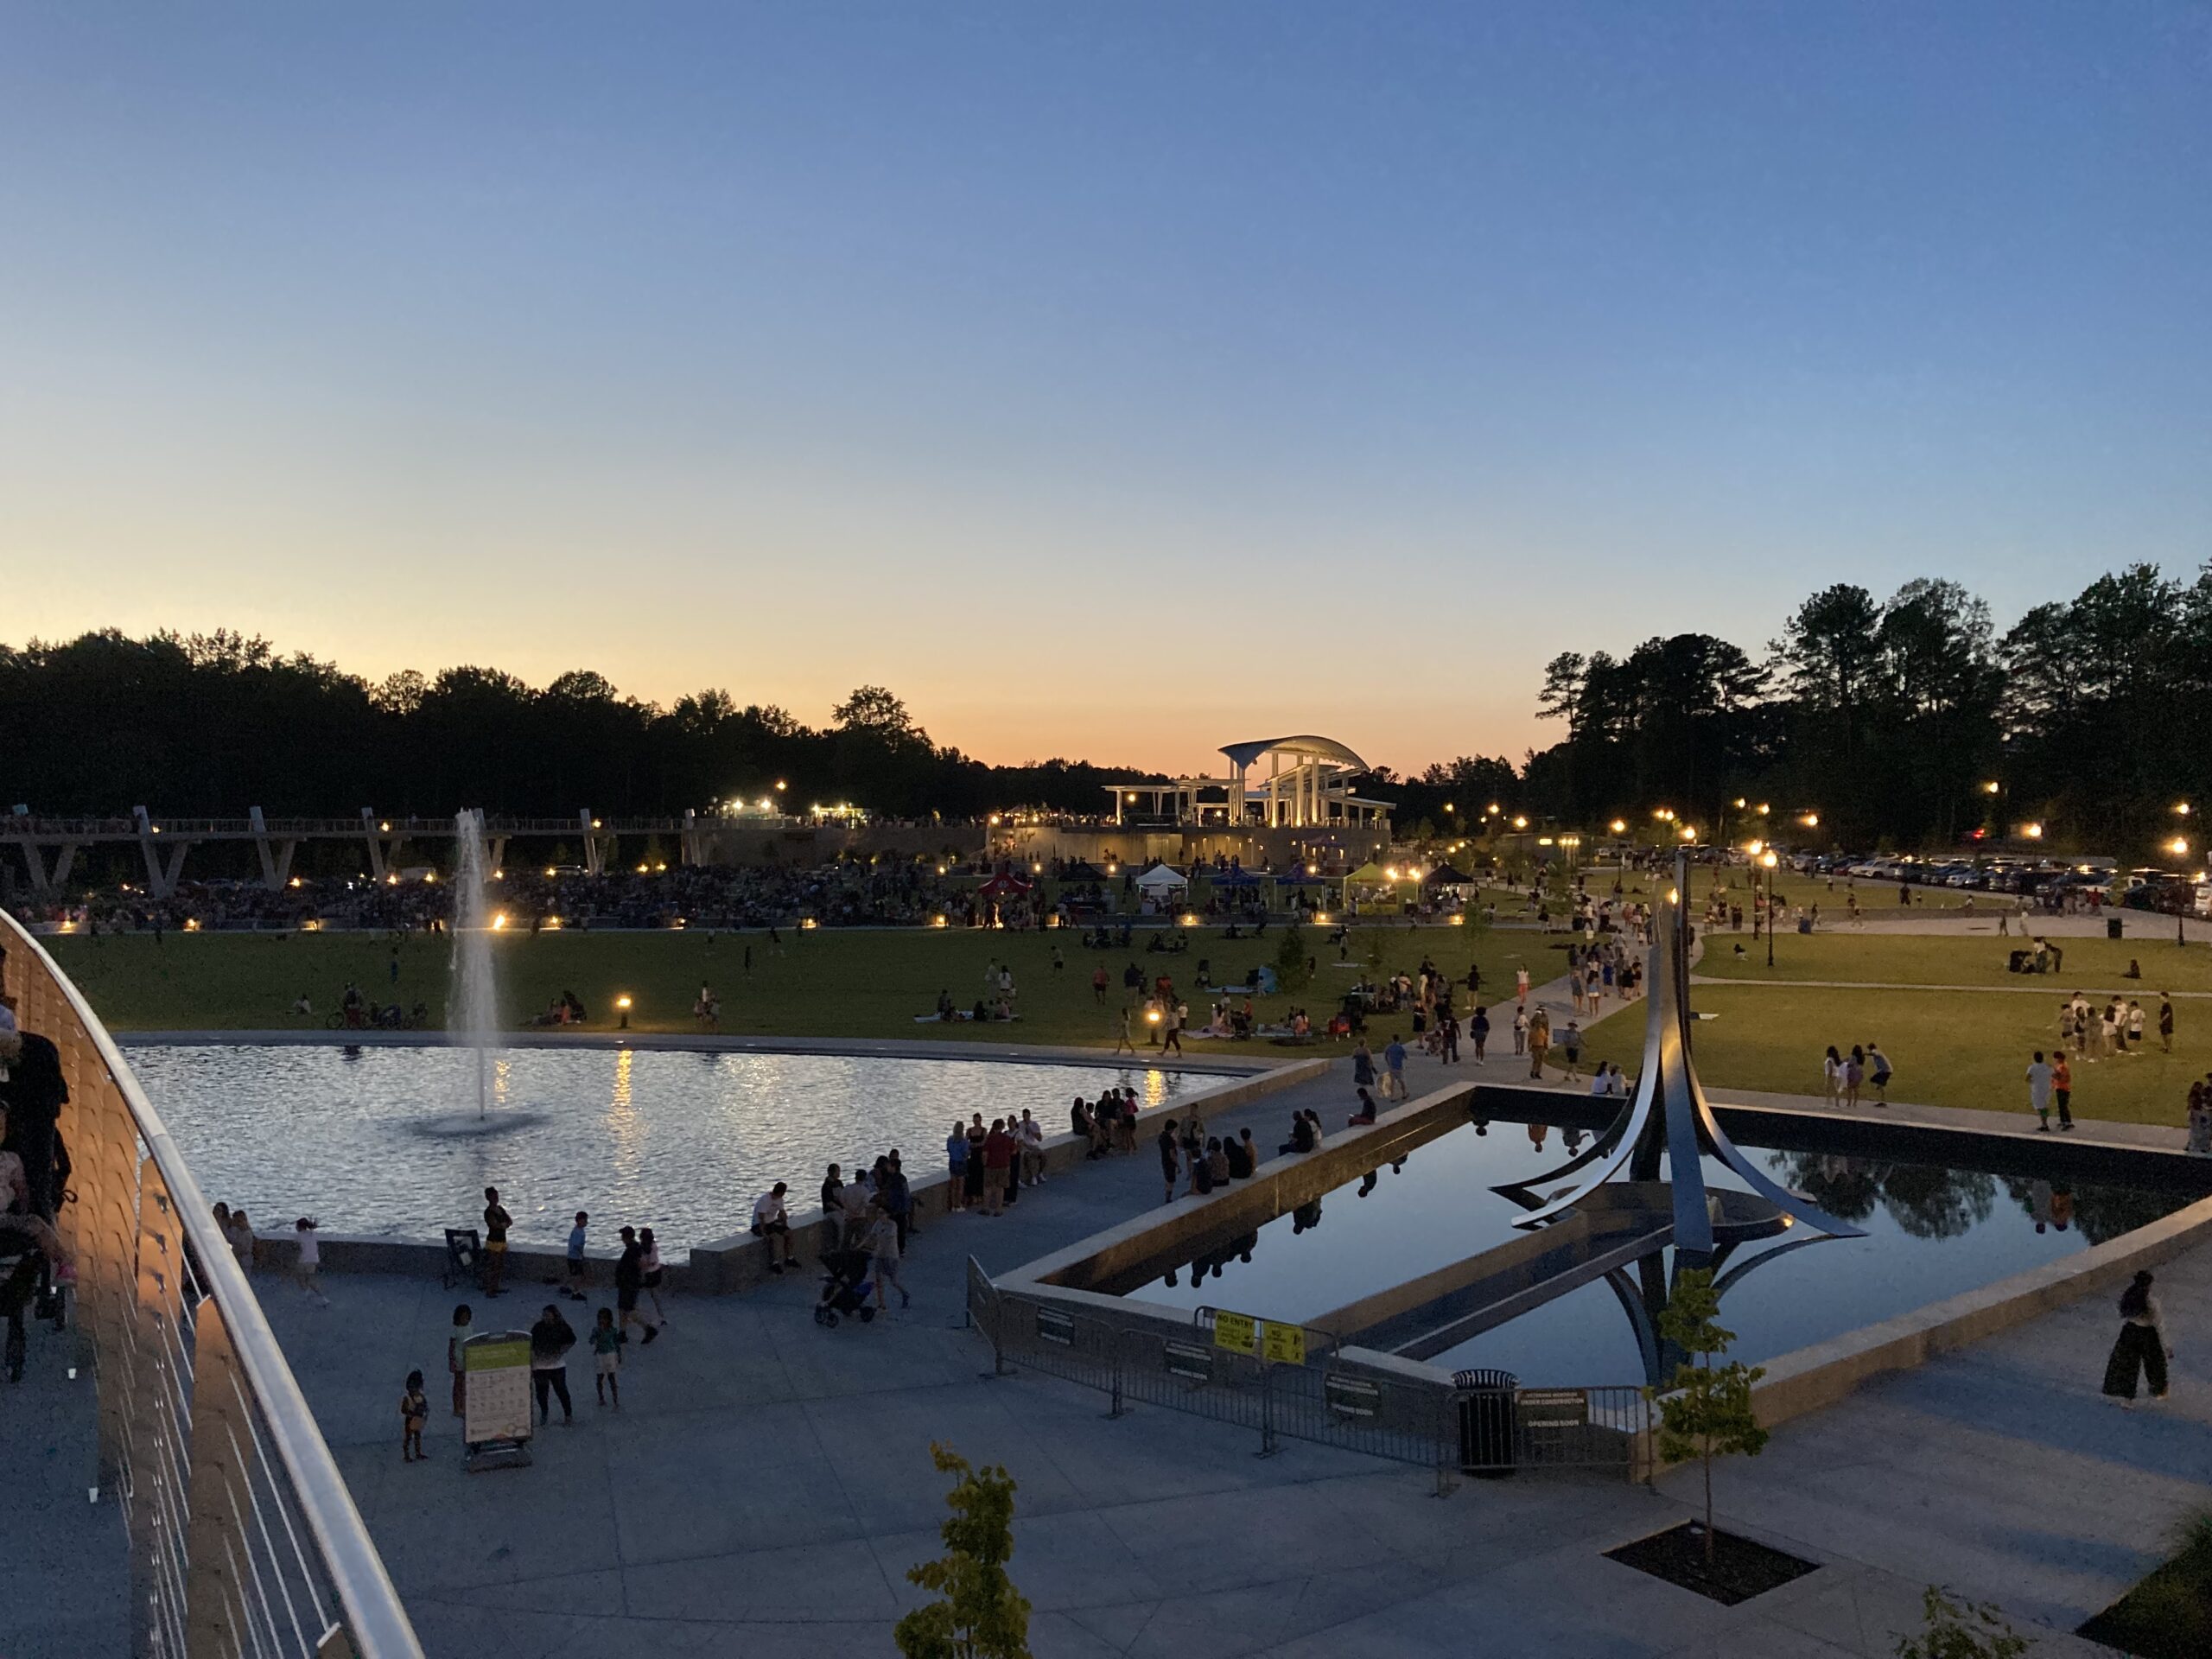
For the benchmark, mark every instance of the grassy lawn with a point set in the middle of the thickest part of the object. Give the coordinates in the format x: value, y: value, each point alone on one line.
x: 1950, y: 1048
x: 823, y: 983
x: 1978, y: 959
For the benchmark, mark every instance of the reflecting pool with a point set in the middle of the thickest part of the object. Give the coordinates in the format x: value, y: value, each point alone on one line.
x: 1931, y: 1233
x: 375, y: 1142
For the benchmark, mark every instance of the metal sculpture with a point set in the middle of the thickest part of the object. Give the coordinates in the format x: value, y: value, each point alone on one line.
x: 1668, y: 1117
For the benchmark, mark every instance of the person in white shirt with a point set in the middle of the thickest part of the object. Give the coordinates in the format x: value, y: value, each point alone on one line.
x: 771, y: 1221
x: 2039, y: 1076
x: 306, y: 1266
x: 1031, y: 1134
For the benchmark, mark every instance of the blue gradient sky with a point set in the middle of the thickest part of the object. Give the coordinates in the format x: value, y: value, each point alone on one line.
x: 1117, y: 380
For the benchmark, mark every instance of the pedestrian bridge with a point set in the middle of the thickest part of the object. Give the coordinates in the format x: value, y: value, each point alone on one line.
x: 218, y: 1522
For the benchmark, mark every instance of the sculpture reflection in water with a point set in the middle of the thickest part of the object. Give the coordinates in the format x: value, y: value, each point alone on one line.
x: 1667, y: 1124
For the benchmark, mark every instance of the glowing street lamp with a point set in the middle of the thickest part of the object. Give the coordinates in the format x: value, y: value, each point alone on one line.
x: 1767, y: 862
x: 622, y: 1008
x: 1519, y: 823
x: 1619, y: 826
x: 2032, y: 831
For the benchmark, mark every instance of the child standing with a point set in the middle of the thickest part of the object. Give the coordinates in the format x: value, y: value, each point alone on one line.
x: 576, y: 1257
x: 308, y: 1268
x: 606, y: 1358
x: 414, y: 1413
x: 463, y: 1328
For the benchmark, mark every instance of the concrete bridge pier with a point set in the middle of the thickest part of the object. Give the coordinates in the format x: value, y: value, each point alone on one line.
x: 46, y: 884
x: 276, y: 861
x: 161, y: 873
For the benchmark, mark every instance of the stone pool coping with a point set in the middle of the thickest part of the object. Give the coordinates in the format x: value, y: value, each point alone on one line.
x: 737, y: 1262
x: 1238, y: 1063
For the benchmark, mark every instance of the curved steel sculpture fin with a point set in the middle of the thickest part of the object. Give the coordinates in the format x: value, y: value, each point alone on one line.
x: 1670, y: 1106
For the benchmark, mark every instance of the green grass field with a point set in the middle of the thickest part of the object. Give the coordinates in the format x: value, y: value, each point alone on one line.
x: 1950, y: 1048
x: 1977, y: 959
x: 823, y: 983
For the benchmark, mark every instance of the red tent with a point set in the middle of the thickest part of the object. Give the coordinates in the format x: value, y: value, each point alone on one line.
x: 1004, y: 885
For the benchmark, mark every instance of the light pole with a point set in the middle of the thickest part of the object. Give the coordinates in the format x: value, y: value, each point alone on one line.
x: 1767, y: 862
x: 2179, y: 848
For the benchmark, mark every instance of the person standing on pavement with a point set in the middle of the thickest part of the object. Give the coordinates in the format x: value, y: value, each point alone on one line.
x: 2141, y: 1346
x: 2039, y: 1091
x: 1393, y: 1063
x: 2061, y: 1089
x: 629, y: 1280
x: 550, y: 1338
x: 1171, y: 1158
x: 1878, y: 1072
x: 1363, y: 1065
x: 496, y: 1223
x: 2166, y: 1021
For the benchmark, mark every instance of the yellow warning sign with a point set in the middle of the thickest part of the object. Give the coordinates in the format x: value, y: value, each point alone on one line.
x: 1238, y: 1333
x: 1283, y: 1345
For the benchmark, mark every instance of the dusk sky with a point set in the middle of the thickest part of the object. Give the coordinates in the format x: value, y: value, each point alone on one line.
x: 1113, y: 380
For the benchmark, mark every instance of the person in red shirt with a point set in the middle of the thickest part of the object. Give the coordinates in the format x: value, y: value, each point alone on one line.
x: 998, y: 1159
x: 2062, y: 1090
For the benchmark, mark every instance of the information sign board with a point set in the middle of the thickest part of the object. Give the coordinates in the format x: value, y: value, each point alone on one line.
x: 495, y: 1376
x: 1349, y: 1397
x: 1238, y: 1332
x: 1283, y: 1345
x: 1181, y: 1359
x: 1055, y: 1327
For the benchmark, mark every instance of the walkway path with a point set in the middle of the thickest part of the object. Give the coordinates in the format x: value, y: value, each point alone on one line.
x: 768, y: 1483
x: 2050, y: 987
x: 65, y: 1590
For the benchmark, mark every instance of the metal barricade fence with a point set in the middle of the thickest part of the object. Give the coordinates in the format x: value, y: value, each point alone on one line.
x: 243, y: 1541
x: 1330, y: 1399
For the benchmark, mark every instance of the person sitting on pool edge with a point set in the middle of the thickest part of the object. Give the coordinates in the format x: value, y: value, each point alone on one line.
x: 771, y: 1221
x: 1365, y: 1113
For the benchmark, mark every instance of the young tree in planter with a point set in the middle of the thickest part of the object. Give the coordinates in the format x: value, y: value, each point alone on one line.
x: 978, y: 1613
x: 1706, y: 1411
x: 1293, y: 973
x: 1961, y: 1630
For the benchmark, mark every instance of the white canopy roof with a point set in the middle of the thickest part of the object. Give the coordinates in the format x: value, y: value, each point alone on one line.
x: 1161, y: 878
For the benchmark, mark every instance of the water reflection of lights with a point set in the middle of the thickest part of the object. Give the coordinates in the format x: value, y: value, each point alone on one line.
x: 624, y: 1125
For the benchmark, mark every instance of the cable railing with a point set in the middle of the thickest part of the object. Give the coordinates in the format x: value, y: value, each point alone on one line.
x: 243, y: 1540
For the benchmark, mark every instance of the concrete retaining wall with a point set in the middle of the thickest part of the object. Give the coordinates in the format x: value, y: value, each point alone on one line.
x: 1813, y: 1377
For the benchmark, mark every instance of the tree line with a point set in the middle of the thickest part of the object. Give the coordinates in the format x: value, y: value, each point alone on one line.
x: 210, y: 724
x: 1887, y: 719
x: 1890, y: 721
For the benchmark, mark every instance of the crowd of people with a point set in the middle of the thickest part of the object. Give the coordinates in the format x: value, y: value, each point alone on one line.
x: 35, y: 1264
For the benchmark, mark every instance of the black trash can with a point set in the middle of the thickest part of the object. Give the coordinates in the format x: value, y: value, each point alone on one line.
x: 2112, y: 927
x: 1486, y: 1421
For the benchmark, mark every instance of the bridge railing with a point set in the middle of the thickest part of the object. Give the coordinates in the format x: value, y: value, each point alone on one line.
x: 244, y: 1540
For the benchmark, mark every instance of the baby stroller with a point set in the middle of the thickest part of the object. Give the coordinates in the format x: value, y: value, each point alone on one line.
x: 846, y: 1287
